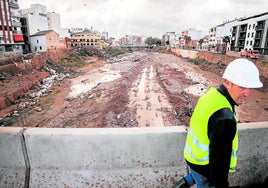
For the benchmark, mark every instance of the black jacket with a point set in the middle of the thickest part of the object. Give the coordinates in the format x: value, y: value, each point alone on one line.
x: 221, y: 132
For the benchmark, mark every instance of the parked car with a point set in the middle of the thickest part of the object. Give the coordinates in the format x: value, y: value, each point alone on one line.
x: 253, y: 54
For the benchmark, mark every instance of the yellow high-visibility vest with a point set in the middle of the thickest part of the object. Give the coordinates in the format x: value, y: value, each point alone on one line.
x: 196, y: 149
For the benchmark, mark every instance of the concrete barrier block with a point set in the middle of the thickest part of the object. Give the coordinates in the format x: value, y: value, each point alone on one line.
x: 113, y: 157
x: 252, y: 154
x: 12, y: 163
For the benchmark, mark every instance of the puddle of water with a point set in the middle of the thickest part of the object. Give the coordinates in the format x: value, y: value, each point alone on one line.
x: 151, y: 72
x: 85, y: 83
x: 141, y: 86
x: 148, y: 100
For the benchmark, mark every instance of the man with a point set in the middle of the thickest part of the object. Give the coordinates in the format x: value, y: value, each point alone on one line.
x: 212, y: 139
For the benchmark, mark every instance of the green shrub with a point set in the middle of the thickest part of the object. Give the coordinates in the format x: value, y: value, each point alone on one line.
x: 115, y: 51
x: 198, y: 60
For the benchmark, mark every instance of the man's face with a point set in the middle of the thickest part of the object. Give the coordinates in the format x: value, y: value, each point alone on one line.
x: 238, y: 94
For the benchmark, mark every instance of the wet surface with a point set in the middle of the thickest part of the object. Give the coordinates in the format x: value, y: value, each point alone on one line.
x: 91, y: 79
x: 132, y: 90
x: 148, y: 99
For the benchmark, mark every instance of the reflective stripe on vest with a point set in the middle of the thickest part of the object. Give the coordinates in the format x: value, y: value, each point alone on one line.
x: 196, y: 148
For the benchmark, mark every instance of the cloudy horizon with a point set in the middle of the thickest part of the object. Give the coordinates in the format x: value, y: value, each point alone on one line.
x: 148, y: 17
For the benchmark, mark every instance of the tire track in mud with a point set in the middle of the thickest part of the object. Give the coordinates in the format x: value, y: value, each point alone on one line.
x: 148, y: 99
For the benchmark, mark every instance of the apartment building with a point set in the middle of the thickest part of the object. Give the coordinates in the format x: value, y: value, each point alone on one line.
x: 195, y: 36
x: 217, y: 34
x: 170, y: 39
x: 54, y: 23
x: 251, y: 33
x: 36, y: 17
x: 133, y: 40
x: 11, y: 38
x: 203, y: 43
x: 34, y: 20
x: 87, y: 38
x: 104, y: 35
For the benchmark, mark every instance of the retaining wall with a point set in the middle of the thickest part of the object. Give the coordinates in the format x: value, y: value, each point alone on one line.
x: 114, y: 157
x: 261, y: 63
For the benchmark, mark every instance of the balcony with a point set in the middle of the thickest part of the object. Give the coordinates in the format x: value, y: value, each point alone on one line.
x: 257, y: 45
x: 14, y: 4
x: 241, y: 44
x: 258, y: 37
x: 243, y: 29
x: 16, y: 23
x: 17, y: 32
x: 259, y: 27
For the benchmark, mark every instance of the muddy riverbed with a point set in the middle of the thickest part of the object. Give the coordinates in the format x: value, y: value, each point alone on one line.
x: 137, y: 89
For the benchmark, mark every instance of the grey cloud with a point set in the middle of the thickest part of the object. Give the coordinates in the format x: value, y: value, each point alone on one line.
x: 147, y: 17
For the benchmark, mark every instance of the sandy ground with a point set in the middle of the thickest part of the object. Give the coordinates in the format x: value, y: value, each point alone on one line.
x: 134, y: 89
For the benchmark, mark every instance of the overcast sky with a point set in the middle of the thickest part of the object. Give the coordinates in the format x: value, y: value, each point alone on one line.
x: 148, y: 17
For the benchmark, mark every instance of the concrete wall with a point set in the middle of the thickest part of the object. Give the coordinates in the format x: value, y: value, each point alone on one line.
x: 114, y: 157
x: 230, y: 55
x: 261, y: 63
x: 185, y: 53
x: 12, y: 160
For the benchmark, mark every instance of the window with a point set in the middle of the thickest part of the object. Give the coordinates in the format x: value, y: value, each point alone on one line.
x: 8, y: 48
x: 253, y: 26
x: 37, y: 41
x: 250, y: 42
x: 247, y: 42
x: 252, y: 34
x: 249, y: 26
x: 248, y: 34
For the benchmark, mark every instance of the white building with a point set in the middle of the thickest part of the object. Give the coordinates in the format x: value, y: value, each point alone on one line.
x: 251, y: 33
x: 54, y: 23
x: 217, y: 33
x: 104, y: 35
x: 212, y: 37
x: 44, y: 40
x: 194, y: 34
x: 170, y: 39
x: 36, y: 18
x: 226, y: 28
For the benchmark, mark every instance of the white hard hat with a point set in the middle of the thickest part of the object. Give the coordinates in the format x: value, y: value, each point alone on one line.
x: 243, y: 72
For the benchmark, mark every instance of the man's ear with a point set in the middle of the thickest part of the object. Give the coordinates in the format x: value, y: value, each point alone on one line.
x: 227, y: 84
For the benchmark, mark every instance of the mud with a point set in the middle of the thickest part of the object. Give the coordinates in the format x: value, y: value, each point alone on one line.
x: 131, y: 90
